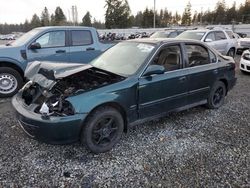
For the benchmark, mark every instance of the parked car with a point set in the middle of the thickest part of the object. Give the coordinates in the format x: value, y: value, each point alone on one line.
x: 222, y: 40
x: 167, y: 34
x: 58, y: 44
x: 243, y: 44
x: 245, y: 61
x: 95, y: 103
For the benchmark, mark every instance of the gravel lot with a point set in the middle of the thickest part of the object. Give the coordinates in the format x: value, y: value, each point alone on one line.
x: 194, y: 148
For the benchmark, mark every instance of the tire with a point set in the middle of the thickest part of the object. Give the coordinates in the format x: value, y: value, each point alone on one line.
x: 10, y: 81
x: 103, y: 129
x: 231, y: 53
x: 217, y: 95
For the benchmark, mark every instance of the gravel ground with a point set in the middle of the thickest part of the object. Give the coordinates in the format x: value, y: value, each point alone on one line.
x: 193, y: 148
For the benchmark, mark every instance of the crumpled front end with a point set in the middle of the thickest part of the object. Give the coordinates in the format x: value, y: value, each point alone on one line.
x: 42, y: 105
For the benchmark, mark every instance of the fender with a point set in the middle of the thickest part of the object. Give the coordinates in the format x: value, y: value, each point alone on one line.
x: 99, y: 100
x: 13, y: 61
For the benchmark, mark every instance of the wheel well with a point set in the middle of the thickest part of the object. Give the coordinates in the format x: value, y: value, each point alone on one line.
x: 226, y: 84
x: 11, y: 65
x: 232, y: 48
x: 118, y: 108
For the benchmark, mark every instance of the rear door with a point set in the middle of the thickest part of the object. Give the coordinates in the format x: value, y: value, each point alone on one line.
x: 83, y: 48
x: 221, y: 42
x: 164, y: 92
x: 203, y: 71
x: 53, y: 47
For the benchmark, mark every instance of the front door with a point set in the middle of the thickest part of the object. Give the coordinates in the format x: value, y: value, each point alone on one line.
x: 53, y: 48
x: 162, y: 93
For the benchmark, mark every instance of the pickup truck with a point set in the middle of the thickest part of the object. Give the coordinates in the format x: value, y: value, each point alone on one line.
x: 69, y: 44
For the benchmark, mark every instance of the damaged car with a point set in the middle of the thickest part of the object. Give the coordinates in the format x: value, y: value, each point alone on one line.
x: 132, y: 82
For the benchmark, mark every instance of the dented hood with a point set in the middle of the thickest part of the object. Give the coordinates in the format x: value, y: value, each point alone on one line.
x: 46, y: 73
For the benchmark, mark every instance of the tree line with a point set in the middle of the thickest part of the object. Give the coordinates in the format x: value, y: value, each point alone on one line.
x: 118, y: 15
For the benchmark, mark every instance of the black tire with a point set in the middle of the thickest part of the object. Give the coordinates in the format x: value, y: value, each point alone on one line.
x: 217, y: 95
x: 231, y: 53
x: 9, y: 75
x: 103, y: 129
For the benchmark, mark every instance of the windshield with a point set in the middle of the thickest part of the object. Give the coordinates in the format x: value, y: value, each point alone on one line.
x: 160, y: 35
x: 125, y: 58
x: 191, y: 35
x: 25, y: 38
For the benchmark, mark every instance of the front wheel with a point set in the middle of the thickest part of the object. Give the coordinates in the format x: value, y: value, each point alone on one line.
x: 103, y: 129
x: 217, y: 95
x: 10, y: 81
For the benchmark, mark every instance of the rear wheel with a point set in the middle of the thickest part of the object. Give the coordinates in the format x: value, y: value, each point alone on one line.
x: 102, y: 130
x: 217, y: 95
x: 231, y: 53
x: 10, y: 81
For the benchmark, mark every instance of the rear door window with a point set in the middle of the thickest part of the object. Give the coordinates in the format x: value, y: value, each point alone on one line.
x: 210, y: 36
x: 197, y: 55
x: 230, y: 34
x: 81, y: 38
x: 219, y: 35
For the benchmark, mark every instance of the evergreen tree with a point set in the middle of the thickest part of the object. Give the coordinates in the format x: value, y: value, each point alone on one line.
x: 59, y: 18
x: 86, y: 20
x: 35, y: 21
x: 45, y: 18
x: 220, y: 12
x: 117, y: 14
x: 186, y: 17
x: 138, y: 19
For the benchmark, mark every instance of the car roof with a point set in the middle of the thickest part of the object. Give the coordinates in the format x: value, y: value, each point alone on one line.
x: 63, y: 27
x: 163, y: 40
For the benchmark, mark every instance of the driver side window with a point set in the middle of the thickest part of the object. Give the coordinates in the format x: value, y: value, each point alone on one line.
x: 169, y: 57
x: 52, y: 39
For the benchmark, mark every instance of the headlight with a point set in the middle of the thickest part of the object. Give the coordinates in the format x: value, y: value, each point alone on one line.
x: 246, y: 56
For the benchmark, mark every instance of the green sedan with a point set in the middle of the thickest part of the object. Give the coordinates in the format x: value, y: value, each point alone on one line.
x: 132, y: 82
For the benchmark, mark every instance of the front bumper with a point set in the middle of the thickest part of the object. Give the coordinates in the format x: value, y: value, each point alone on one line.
x: 245, y: 65
x: 55, y: 130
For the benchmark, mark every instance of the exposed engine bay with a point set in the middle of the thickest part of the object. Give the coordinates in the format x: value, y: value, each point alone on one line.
x: 52, y: 102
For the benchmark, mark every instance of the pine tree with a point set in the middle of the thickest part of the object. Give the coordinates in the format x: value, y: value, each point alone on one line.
x: 45, y: 18
x: 186, y: 17
x: 35, y: 21
x: 60, y: 18
x: 117, y: 14
x: 86, y: 20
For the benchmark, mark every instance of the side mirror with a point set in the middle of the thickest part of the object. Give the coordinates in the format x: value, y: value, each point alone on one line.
x: 35, y: 46
x: 154, y: 69
x: 208, y: 40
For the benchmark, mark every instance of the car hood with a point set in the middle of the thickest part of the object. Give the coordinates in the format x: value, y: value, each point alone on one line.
x: 47, y: 73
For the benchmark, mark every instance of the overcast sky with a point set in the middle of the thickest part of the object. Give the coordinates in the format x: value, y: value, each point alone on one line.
x: 16, y: 11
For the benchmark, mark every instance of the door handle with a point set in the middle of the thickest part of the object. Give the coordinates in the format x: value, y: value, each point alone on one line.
x: 215, y: 71
x: 89, y: 49
x: 182, y: 79
x: 60, y: 51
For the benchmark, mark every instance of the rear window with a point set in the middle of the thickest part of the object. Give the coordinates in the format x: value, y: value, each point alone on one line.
x: 81, y: 38
x: 191, y: 35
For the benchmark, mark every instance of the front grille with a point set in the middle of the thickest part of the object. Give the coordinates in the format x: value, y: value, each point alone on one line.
x: 248, y: 67
x: 28, y: 129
